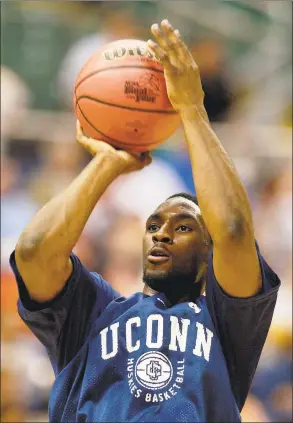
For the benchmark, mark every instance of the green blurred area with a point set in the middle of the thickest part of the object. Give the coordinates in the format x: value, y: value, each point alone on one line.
x: 36, y: 35
x: 35, y: 38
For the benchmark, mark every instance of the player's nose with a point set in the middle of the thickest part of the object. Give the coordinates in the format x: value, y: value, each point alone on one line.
x: 162, y: 236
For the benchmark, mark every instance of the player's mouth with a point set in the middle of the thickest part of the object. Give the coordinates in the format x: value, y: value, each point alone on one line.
x: 158, y: 255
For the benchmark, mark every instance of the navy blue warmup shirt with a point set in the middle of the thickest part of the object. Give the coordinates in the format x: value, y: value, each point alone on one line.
x: 140, y: 359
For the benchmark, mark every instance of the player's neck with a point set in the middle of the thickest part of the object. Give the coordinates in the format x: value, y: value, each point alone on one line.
x: 147, y: 290
x: 173, y: 299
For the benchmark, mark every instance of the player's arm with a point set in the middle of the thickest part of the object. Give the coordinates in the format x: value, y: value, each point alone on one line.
x: 43, y: 250
x: 221, y: 195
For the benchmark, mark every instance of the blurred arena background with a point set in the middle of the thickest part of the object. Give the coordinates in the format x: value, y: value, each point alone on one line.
x: 244, y: 53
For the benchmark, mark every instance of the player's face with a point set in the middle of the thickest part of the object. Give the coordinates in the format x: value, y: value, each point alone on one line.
x: 174, y: 246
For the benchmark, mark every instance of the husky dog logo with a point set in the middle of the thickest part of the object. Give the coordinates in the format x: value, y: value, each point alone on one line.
x: 153, y: 370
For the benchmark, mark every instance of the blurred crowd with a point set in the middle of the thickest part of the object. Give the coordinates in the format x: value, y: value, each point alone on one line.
x: 33, y: 171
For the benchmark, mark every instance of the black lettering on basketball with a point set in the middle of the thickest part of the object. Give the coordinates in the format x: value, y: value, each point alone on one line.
x: 119, y: 52
x: 132, y: 89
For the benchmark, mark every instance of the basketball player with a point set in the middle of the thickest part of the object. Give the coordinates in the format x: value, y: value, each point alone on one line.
x: 169, y: 353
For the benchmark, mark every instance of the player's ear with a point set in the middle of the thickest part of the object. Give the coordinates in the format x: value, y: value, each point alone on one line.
x: 203, y: 288
x: 202, y: 272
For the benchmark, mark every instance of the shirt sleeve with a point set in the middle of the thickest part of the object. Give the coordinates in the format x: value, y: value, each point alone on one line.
x: 242, y: 325
x: 63, y: 323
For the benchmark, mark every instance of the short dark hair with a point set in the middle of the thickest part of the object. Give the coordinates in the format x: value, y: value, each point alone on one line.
x: 190, y: 197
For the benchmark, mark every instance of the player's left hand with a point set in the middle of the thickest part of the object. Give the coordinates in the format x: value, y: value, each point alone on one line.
x: 181, y: 72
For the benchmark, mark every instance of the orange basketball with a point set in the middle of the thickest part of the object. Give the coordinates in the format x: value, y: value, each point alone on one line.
x: 120, y: 97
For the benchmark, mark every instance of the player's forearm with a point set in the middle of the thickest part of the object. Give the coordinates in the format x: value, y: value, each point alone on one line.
x: 58, y: 225
x: 221, y: 195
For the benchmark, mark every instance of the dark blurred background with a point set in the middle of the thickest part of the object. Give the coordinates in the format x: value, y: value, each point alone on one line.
x: 243, y: 50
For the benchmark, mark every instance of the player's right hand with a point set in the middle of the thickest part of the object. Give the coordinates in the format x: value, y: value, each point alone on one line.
x: 126, y: 161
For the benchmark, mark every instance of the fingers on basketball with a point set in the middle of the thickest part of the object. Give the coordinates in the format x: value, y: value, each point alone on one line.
x: 139, y: 160
x: 79, y: 132
x: 170, y: 47
x: 91, y: 145
x: 146, y: 158
x: 144, y: 161
x: 87, y: 144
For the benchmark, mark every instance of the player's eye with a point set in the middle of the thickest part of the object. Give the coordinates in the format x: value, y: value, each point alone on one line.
x: 152, y: 228
x: 183, y: 228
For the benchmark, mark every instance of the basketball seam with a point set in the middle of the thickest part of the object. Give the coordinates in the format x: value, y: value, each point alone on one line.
x: 117, y: 67
x: 164, y: 112
x: 104, y: 135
